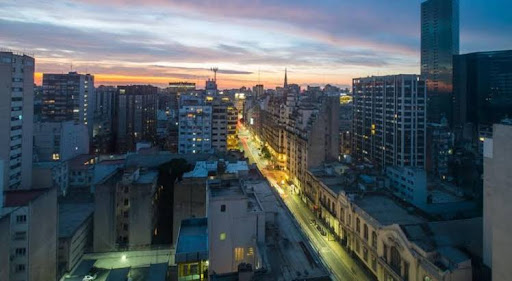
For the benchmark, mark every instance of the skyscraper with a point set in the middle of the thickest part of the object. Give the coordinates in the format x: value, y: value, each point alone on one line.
x: 389, y: 120
x: 439, y: 42
x: 68, y: 97
x: 482, y: 86
x: 16, y: 120
x: 135, y: 119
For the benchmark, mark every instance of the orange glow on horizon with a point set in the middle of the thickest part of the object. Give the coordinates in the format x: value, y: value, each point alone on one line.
x: 225, y: 82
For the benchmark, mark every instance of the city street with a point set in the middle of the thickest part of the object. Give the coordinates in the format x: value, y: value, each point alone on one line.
x: 333, y: 255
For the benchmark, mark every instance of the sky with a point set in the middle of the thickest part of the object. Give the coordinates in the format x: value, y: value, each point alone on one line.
x: 250, y: 41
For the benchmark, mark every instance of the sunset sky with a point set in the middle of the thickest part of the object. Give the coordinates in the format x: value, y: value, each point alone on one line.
x: 159, y: 41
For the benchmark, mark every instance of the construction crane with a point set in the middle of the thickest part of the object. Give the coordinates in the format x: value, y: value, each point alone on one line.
x: 214, y: 69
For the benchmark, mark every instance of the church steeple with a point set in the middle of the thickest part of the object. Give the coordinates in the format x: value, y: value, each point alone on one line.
x: 285, y: 78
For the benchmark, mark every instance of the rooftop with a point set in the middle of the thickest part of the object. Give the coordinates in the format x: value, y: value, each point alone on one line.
x: 81, y: 162
x: 386, y: 210
x: 147, y: 177
x: 225, y: 188
x: 192, y: 239
x: 202, y: 169
x: 72, y: 216
x: 17, y: 198
x: 235, y: 167
x: 433, y: 235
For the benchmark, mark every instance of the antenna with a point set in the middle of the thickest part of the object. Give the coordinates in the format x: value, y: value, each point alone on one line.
x: 214, y: 69
x: 259, y: 77
x: 71, y: 67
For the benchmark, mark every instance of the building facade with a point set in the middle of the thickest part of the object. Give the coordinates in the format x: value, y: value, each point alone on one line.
x: 29, y: 249
x: 497, y: 195
x: 439, y: 43
x: 69, y: 97
x: 389, y: 126
x: 135, y: 116
x: 16, y: 120
x: 103, y: 135
x: 195, y: 126
x: 482, y: 91
x: 60, y: 141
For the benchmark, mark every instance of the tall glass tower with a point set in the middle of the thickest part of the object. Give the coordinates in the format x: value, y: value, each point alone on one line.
x: 439, y: 42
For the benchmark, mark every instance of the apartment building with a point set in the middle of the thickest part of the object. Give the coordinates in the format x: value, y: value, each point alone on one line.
x: 389, y: 126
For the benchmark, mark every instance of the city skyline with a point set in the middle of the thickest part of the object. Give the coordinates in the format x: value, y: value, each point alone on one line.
x: 125, y: 42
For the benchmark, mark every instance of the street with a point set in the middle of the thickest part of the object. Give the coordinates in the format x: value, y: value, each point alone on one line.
x: 333, y: 255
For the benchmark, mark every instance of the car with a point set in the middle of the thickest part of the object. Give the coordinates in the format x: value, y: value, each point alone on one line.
x: 88, y: 278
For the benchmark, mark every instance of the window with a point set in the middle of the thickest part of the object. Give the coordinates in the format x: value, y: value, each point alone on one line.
x: 374, y: 263
x: 406, y: 271
x: 20, y: 235
x: 357, y: 245
x: 20, y: 268
x: 125, y: 227
x: 223, y: 236
x: 55, y: 156
x: 239, y: 254
x: 374, y: 239
x: 365, y: 232
x: 126, y: 202
x: 365, y: 254
x: 21, y: 251
x: 358, y: 225
x: 223, y: 208
x: 21, y: 219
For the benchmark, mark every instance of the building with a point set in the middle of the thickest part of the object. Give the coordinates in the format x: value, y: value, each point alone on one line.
x: 346, y: 116
x: 125, y: 212
x: 440, y: 143
x: 258, y: 91
x: 51, y: 174
x: 192, y: 250
x: 497, y: 195
x: 103, y: 136
x: 28, y: 248
x: 75, y: 234
x: 195, y: 126
x: 69, y: 97
x: 236, y: 226
x: 389, y: 126
x: 81, y: 170
x: 16, y: 120
x: 312, y: 137
x: 482, y: 90
x: 60, y: 141
x: 409, y: 184
x: 135, y: 116
x: 273, y: 120
x: 439, y: 43
x: 393, y: 240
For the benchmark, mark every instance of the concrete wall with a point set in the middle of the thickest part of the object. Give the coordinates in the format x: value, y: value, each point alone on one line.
x: 5, y: 241
x: 142, y: 219
x: 189, y: 202
x: 43, y: 233
x: 104, y: 218
x: 241, y: 230
x: 497, y: 207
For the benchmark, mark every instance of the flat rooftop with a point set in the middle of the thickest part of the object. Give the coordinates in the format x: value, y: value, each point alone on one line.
x: 72, y: 216
x: 225, y: 188
x: 147, y: 177
x: 192, y: 238
x: 386, y: 210
x: 18, y: 198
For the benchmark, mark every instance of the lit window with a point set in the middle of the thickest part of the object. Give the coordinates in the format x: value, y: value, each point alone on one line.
x: 223, y: 236
x: 239, y: 254
x: 55, y: 156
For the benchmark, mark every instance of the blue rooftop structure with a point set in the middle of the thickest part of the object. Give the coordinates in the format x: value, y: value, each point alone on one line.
x: 158, y: 272
x: 192, y: 242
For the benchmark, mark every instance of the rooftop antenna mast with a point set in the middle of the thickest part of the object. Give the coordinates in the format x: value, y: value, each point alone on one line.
x: 214, y: 69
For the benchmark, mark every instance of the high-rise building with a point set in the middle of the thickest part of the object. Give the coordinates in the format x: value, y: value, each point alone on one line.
x: 258, y: 91
x: 497, y: 208
x: 135, y: 116
x: 482, y: 86
x: 195, y: 125
x: 103, y: 135
x: 69, y: 97
x: 439, y: 42
x: 16, y: 120
x: 389, y: 120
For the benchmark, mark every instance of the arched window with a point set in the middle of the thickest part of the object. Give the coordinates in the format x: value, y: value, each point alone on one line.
x: 358, y: 225
x: 365, y: 232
